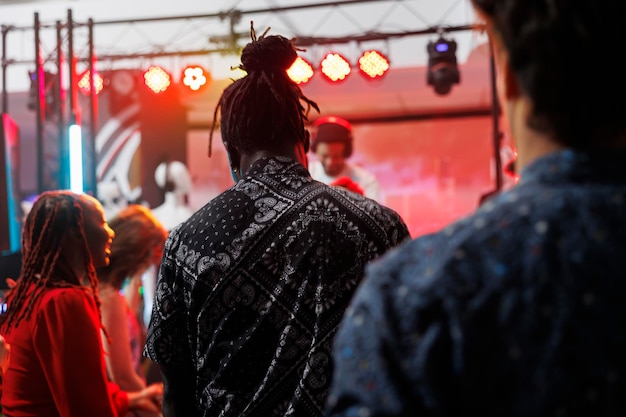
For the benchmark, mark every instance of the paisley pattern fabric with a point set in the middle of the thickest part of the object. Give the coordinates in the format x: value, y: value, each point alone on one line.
x: 253, y: 286
x: 516, y: 310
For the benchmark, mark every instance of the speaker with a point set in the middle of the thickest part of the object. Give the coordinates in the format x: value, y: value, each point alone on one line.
x: 10, y: 212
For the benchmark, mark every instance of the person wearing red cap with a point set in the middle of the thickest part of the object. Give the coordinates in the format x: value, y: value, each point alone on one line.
x: 332, y: 144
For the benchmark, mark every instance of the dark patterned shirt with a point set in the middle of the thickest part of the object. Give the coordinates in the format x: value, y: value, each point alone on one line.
x: 253, y: 286
x: 516, y: 310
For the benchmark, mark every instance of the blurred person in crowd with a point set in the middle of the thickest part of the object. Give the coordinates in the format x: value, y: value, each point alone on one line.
x: 332, y: 143
x: 52, y: 321
x: 253, y: 285
x: 348, y: 184
x: 174, y: 180
x: 520, y: 308
x: 138, y: 244
x: 111, y: 197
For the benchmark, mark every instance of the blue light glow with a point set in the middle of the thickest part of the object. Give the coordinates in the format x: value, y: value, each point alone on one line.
x: 76, y: 159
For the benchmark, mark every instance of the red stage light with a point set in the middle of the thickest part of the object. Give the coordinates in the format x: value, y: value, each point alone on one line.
x: 300, y: 71
x: 373, y: 64
x: 195, y: 77
x: 84, y: 83
x: 335, y: 67
x: 157, y: 79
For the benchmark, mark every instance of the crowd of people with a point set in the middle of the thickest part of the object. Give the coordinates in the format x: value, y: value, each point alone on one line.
x: 288, y: 295
x: 53, y: 319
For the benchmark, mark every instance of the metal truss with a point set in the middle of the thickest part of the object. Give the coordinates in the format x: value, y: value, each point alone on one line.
x: 223, y: 31
x: 131, y: 41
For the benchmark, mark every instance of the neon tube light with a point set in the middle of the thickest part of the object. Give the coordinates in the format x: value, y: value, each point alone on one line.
x: 76, y: 159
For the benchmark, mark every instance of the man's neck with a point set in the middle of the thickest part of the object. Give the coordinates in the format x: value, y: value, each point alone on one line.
x: 297, y: 153
x: 531, y: 146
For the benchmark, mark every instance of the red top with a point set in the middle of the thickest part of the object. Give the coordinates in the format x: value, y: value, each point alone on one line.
x: 57, y: 363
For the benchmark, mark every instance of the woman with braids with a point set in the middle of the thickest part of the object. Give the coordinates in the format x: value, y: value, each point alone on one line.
x: 251, y: 287
x: 518, y: 310
x: 52, y: 321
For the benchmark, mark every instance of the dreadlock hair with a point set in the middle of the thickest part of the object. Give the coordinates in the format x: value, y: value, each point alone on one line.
x: 54, y: 215
x: 263, y: 109
x: 139, y: 238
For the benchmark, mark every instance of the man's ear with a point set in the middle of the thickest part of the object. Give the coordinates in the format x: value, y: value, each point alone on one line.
x: 507, y: 80
x: 306, y: 141
x: 511, y: 85
x: 234, y: 158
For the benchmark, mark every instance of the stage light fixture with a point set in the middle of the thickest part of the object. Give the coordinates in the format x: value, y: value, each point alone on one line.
x: 300, y: 71
x: 84, y: 83
x: 195, y: 77
x: 443, y: 71
x: 335, y: 67
x: 373, y: 64
x: 157, y: 79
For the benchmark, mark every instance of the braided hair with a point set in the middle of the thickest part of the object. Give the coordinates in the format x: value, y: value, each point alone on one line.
x: 54, y: 215
x: 263, y: 109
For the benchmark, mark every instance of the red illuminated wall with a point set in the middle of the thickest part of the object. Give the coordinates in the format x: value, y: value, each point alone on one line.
x: 431, y: 172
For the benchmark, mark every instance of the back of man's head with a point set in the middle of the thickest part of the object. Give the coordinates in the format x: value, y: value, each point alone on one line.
x: 264, y: 109
x: 563, y: 55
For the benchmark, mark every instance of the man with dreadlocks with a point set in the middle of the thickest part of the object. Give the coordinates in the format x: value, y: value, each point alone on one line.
x: 252, y: 287
x: 52, y: 321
